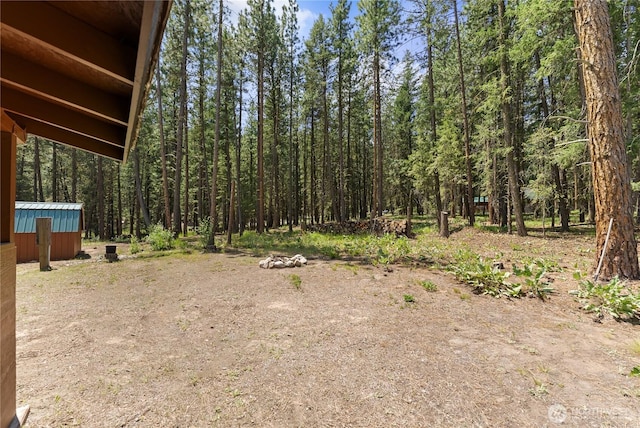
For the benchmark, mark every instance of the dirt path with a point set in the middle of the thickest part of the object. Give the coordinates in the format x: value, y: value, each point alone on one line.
x: 212, y: 340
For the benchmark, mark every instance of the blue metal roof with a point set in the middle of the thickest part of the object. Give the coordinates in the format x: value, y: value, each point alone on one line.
x: 66, y: 216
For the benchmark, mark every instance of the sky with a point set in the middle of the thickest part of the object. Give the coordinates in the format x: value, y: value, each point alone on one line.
x: 310, y: 10
x: 308, y: 13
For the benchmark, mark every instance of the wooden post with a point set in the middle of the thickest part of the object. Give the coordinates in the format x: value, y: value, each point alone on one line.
x: 8, y: 145
x: 43, y: 240
x: 444, y: 224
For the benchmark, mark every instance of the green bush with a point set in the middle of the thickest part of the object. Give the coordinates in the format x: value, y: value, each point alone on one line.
x: 206, y: 232
x: 135, y: 247
x: 483, y: 276
x: 614, y: 298
x: 160, y: 238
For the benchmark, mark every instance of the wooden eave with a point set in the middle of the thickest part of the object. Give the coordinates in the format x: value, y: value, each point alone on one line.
x: 78, y: 72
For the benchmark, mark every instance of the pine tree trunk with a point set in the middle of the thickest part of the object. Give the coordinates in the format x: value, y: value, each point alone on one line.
x: 514, y: 186
x: 74, y: 175
x: 260, y: 160
x: 379, y: 179
x: 610, y: 169
x: 213, y: 211
x: 186, y: 177
x: 238, y: 146
x: 38, y: 193
x: 163, y: 152
x: 465, y: 120
x: 100, y: 195
x: 138, y: 181
x: 120, y: 216
x: 182, y: 114
x: 54, y: 173
x: 434, y: 131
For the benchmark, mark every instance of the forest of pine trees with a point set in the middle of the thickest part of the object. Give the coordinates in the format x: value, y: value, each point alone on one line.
x: 413, y: 107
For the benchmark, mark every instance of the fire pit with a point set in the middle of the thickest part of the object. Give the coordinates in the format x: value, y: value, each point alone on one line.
x: 111, y: 254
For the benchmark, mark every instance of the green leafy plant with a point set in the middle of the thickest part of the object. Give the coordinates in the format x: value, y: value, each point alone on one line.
x: 429, y: 285
x: 135, y: 247
x: 408, y: 298
x: 205, y: 232
x: 296, y: 281
x: 635, y: 372
x: 483, y: 276
x: 160, y: 239
x: 614, y: 298
x: 534, y: 282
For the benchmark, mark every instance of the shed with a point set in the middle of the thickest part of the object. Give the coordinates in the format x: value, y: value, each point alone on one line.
x: 78, y: 73
x: 66, y: 229
x: 481, y: 203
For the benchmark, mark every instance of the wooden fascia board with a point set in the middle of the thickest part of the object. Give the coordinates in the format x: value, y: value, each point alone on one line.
x: 72, y: 139
x: 55, y: 30
x: 154, y: 19
x: 45, y: 111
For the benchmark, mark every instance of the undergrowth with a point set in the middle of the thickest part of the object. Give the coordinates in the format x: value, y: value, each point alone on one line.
x: 615, y: 298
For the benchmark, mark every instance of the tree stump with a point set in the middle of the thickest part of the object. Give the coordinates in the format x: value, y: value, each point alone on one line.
x: 444, y: 224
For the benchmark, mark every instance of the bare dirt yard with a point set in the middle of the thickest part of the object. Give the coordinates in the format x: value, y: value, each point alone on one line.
x: 208, y: 340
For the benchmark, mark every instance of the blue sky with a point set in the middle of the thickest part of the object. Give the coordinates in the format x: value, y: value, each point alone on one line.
x: 309, y: 11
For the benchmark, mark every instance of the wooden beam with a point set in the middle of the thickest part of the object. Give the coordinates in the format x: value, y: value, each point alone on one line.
x: 35, y: 108
x: 72, y: 139
x: 53, y: 29
x: 41, y: 82
x: 154, y: 20
x: 10, y: 126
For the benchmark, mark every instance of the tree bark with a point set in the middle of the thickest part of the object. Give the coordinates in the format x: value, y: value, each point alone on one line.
x: 260, y: 160
x: 610, y: 169
x: 213, y: 211
x: 100, y: 195
x: 465, y: 120
x: 514, y: 186
x: 377, y: 131
x: 136, y: 175
x: 434, y: 133
x: 163, y: 152
x: 182, y: 114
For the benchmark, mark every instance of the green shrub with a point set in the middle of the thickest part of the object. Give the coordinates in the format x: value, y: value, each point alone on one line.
x: 614, y: 298
x: 160, y: 239
x: 483, y: 276
x: 206, y: 232
x: 535, y: 283
x: 135, y: 247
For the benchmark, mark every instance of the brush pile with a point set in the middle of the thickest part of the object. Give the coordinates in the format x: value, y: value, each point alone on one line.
x: 381, y: 226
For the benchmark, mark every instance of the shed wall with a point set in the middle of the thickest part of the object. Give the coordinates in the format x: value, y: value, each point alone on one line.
x: 64, y: 246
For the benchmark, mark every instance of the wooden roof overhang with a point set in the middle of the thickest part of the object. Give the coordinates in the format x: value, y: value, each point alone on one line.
x: 78, y: 72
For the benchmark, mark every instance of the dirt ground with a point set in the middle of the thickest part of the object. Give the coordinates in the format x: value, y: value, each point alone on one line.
x: 207, y: 340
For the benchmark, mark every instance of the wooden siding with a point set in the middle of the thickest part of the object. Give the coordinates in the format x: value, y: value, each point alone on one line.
x: 64, y: 246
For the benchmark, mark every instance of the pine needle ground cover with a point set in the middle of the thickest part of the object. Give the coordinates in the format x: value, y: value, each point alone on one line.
x: 356, y: 338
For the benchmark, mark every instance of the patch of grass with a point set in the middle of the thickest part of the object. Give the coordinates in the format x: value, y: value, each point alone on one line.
x: 635, y: 372
x: 429, y: 285
x: 296, y: 281
x: 465, y: 296
x: 408, y: 298
x: 635, y: 347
